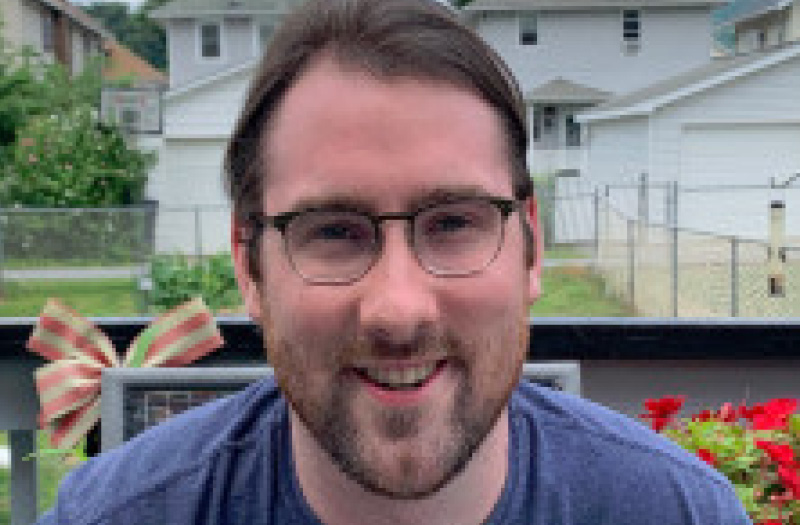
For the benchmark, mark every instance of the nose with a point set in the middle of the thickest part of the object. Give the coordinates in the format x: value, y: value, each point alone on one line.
x: 398, y: 305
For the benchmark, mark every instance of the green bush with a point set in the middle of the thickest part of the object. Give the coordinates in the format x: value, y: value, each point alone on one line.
x: 176, y: 279
x: 72, y: 160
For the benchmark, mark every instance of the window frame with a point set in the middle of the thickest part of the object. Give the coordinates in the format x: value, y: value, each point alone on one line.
x: 48, y: 24
x: 528, y: 28
x: 200, y: 43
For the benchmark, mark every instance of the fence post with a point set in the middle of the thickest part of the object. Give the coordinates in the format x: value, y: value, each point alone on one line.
x: 198, y: 244
x: 734, y: 277
x: 631, y: 264
x: 2, y: 253
x: 644, y: 199
x: 23, y: 477
x: 672, y: 193
x: 596, y: 198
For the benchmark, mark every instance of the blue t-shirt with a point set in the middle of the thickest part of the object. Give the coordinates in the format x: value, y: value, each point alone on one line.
x: 229, y: 462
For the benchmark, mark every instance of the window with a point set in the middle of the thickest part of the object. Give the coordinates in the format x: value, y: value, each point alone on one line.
x: 210, y: 40
x: 528, y: 35
x: 537, y: 123
x: 48, y: 32
x: 631, y: 25
x: 573, y: 132
x: 549, y: 118
x: 762, y: 39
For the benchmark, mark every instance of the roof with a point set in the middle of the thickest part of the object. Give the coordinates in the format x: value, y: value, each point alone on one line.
x: 749, y: 9
x: 77, y: 15
x: 206, y: 81
x: 718, y: 71
x: 199, y: 8
x: 566, y: 5
x: 122, y: 63
x: 561, y: 90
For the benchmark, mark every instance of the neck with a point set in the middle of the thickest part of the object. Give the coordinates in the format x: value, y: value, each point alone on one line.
x: 338, y: 500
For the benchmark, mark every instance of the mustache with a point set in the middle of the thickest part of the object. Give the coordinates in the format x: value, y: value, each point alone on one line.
x: 382, y: 344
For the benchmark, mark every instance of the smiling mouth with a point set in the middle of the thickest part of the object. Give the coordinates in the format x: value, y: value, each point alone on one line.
x: 400, y: 378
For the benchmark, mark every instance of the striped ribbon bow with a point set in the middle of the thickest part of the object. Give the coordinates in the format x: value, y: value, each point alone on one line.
x: 69, y: 387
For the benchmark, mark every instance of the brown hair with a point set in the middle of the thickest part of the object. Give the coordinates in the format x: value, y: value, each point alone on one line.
x: 385, y: 38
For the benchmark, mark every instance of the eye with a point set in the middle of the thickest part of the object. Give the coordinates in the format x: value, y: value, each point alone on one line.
x: 446, y: 222
x: 321, y: 229
x: 338, y: 231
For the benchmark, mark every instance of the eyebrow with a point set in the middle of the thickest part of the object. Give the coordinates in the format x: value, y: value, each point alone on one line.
x: 349, y: 202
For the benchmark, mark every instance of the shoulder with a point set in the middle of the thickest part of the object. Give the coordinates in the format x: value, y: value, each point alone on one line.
x: 617, y: 463
x: 176, y: 452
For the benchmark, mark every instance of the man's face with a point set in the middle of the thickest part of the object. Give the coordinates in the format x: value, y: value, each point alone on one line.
x: 340, y: 351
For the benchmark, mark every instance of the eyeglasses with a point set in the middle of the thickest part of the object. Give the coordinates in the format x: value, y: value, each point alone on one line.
x: 455, y: 238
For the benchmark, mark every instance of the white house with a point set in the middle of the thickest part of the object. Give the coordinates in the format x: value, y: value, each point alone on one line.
x: 54, y: 30
x: 765, y: 23
x: 214, y: 45
x: 735, y: 121
x: 569, y: 55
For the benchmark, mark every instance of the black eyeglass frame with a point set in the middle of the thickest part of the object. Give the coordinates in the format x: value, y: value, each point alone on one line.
x: 259, y: 221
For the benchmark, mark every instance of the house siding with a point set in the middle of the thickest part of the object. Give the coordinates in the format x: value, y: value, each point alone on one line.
x: 23, y: 26
x: 210, y: 111
x: 586, y: 47
x: 237, y: 48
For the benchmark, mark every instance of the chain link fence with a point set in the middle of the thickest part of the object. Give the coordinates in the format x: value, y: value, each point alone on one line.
x: 105, y: 253
x: 664, y: 270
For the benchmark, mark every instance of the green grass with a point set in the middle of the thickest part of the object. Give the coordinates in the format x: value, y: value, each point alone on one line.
x: 51, y: 469
x: 574, y: 291
x: 568, y: 252
x: 110, y: 297
x: 24, y: 264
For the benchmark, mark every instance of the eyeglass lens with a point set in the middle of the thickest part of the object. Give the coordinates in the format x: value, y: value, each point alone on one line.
x: 456, y: 238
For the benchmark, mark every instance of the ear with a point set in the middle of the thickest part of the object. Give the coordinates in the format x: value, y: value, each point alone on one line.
x: 248, y: 286
x: 531, y: 210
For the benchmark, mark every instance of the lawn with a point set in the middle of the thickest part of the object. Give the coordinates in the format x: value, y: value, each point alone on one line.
x: 110, y: 297
x: 573, y: 291
x: 567, y: 291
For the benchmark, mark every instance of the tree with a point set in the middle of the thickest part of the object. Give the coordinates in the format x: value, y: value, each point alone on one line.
x: 70, y: 159
x: 136, y: 31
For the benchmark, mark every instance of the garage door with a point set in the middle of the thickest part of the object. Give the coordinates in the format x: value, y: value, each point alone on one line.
x: 736, y: 154
x: 193, y: 215
x: 739, y: 154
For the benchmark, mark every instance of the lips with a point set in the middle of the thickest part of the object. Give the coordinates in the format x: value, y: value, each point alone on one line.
x: 399, y: 377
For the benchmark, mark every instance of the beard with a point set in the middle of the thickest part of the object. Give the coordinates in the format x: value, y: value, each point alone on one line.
x: 407, y: 452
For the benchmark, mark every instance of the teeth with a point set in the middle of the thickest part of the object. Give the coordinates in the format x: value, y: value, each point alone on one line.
x: 400, y: 377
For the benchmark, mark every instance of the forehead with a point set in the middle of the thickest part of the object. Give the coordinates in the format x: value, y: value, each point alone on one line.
x: 387, y: 141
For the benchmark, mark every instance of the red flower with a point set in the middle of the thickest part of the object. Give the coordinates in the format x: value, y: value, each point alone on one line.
x: 707, y: 456
x: 774, y: 414
x: 705, y: 415
x: 727, y: 414
x: 750, y: 413
x: 780, y: 454
x: 790, y: 480
x: 661, y: 411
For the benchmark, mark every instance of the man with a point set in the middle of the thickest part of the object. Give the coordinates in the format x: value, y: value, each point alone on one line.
x: 383, y: 238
